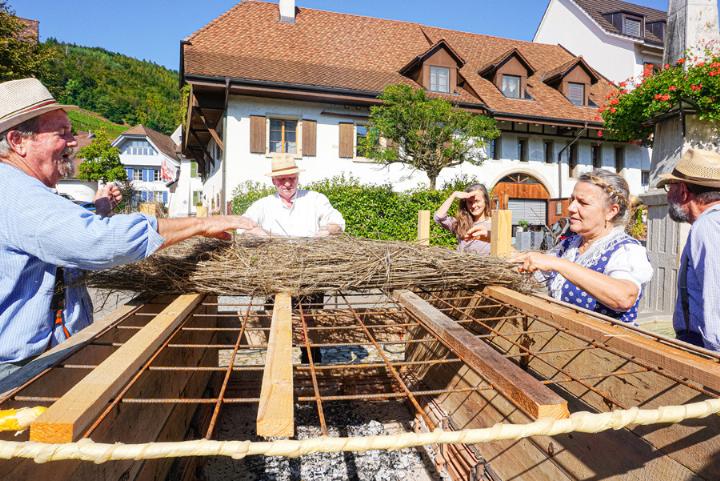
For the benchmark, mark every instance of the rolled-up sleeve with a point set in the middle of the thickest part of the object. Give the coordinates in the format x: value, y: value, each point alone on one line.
x: 62, y: 233
x: 446, y: 222
x: 328, y: 213
x: 630, y: 262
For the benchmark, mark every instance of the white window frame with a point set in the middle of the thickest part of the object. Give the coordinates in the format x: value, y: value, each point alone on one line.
x: 137, y: 173
x: 298, y: 134
x: 435, y: 83
x: 156, y: 175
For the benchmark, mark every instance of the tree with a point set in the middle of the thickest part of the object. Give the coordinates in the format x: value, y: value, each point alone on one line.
x: 428, y: 133
x: 20, y: 55
x: 102, y: 160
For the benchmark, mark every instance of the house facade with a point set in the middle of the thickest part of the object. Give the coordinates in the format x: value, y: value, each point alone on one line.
x: 72, y: 186
x: 262, y: 83
x: 619, y: 39
x: 151, y: 163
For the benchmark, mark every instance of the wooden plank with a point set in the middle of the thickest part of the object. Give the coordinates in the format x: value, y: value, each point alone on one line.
x: 309, y: 138
x: 276, y: 411
x: 501, y: 233
x: 66, y: 419
x: 346, y: 141
x: 62, y: 351
x: 516, y: 385
x: 257, y: 134
x: 680, y: 363
x: 424, y: 227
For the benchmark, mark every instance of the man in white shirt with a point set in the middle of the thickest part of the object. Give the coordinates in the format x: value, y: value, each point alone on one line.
x: 291, y: 212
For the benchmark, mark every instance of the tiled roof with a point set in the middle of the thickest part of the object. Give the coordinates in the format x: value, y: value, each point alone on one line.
x: 596, y: 9
x: 363, y: 55
x: 161, y: 141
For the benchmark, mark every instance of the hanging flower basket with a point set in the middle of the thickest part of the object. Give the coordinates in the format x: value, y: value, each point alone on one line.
x: 631, y: 111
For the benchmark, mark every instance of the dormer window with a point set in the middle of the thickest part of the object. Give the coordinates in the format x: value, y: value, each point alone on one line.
x: 576, y: 93
x: 440, y: 79
x: 511, y: 85
x: 632, y: 26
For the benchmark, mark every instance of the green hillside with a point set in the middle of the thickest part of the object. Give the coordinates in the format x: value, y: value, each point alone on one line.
x: 122, y: 89
x: 83, y: 120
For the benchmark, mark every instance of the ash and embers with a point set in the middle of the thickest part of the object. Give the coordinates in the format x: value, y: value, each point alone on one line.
x: 343, y: 419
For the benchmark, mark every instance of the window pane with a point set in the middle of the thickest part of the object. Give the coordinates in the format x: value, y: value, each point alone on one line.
x: 291, y: 148
x: 576, y: 93
x: 511, y: 86
x: 193, y: 169
x: 360, y: 133
x: 290, y: 126
x: 440, y: 79
x: 631, y: 26
x: 275, y: 146
x: 275, y: 124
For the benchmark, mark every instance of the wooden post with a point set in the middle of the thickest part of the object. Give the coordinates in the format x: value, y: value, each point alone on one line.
x: 424, y: 227
x: 519, y: 387
x: 501, y: 233
x: 70, y: 415
x: 276, y: 411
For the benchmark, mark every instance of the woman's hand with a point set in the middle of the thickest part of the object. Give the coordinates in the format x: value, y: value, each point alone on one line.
x: 464, y: 195
x: 536, y: 261
x: 477, y: 232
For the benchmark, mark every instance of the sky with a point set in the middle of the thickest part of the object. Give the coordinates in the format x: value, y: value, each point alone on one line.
x: 152, y: 29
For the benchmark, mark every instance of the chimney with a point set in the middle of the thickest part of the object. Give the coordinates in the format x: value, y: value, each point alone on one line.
x: 287, y: 11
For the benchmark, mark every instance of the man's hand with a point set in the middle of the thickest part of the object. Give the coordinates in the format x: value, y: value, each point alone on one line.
x: 106, y: 199
x: 217, y: 226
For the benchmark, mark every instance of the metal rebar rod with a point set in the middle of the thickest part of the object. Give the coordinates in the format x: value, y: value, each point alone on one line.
x: 313, y: 374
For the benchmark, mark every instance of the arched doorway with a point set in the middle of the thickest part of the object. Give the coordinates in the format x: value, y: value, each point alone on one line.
x: 525, y: 196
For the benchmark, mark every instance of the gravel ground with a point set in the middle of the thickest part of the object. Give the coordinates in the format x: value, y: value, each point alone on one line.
x: 343, y: 419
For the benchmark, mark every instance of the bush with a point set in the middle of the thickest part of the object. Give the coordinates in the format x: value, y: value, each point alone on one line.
x: 370, y: 211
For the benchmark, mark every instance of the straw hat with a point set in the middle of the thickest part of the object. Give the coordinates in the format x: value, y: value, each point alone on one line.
x: 283, y: 164
x: 696, y: 166
x: 21, y: 100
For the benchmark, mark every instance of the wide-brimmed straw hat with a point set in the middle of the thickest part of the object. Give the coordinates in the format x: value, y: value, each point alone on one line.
x: 23, y: 99
x: 283, y: 164
x: 696, y: 166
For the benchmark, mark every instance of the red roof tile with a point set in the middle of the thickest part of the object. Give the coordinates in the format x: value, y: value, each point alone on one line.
x: 364, y: 54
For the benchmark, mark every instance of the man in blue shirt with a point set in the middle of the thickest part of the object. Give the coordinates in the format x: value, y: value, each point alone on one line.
x: 694, y: 197
x: 41, y: 231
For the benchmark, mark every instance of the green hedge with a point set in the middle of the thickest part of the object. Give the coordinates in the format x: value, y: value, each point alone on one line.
x: 371, y: 211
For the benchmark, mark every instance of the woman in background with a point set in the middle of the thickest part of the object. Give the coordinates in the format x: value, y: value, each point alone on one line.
x: 473, y: 212
x: 598, y: 266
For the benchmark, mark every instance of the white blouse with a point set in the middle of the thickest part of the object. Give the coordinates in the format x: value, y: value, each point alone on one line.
x: 628, y: 262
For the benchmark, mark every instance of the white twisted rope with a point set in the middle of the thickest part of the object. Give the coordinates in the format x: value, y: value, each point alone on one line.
x: 584, y: 422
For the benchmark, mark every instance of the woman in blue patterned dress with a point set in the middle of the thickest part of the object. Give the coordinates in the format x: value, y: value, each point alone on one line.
x: 598, y: 267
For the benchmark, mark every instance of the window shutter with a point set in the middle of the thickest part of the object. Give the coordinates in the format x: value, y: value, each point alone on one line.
x: 257, y: 134
x: 165, y: 197
x: 347, y: 140
x: 129, y: 173
x: 309, y: 138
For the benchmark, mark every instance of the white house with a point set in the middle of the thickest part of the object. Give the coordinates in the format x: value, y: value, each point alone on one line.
x: 620, y: 40
x: 73, y: 187
x: 151, y: 163
x: 264, y: 83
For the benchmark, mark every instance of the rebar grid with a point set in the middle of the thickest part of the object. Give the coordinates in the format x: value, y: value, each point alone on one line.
x: 636, y: 365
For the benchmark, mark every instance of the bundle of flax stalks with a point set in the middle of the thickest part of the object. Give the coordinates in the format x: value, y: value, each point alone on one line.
x: 264, y: 266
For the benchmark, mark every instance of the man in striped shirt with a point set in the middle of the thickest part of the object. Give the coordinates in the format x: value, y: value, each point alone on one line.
x: 41, y: 231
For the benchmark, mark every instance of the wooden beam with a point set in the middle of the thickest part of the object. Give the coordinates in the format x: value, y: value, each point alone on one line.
x: 210, y: 129
x: 276, y: 411
x: 62, y: 351
x: 501, y: 233
x: 519, y: 387
x: 424, y: 227
x: 70, y: 415
x: 676, y: 361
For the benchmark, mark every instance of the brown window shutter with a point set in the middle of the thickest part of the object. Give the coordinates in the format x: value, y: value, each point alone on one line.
x: 347, y: 132
x: 257, y: 134
x: 309, y: 138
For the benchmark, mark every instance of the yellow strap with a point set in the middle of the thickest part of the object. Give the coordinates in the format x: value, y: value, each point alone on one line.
x: 19, y: 419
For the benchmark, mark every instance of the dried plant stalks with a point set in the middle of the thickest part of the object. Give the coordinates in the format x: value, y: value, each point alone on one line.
x: 264, y: 266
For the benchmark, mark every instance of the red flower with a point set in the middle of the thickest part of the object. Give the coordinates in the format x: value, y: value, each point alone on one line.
x: 665, y: 97
x: 658, y: 97
x: 696, y: 88
x: 680, y: 61
x: 613, y: 110
x: 614, y: 102
x: 672, y: 88
x: 700, y: 64
x: 599, y: 133
x: 667, y: 65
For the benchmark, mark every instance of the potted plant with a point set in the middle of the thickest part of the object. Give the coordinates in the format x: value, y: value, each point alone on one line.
x: 523, y: 238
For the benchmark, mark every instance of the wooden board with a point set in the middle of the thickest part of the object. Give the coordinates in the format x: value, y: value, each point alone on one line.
x: 680, y: 363
x: 424, y: 227
x: 501, y: 233
x: 66, y: 419
x: 522, y: 389
x: 276, y: 410
x: 62, y: 351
